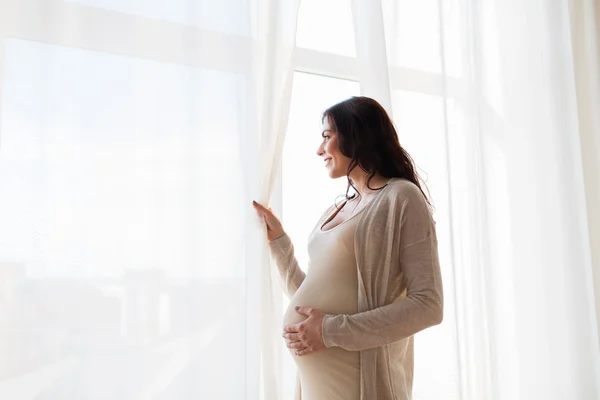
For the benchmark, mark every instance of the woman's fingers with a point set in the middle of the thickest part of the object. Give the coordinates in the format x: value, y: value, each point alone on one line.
x: 258, y: 206
x: 291, y: 335
x: 296, y: 345
x: 303, y: 352
x: 274, y: 228
x: 293, y: 342
x: 262, y: 209
x: 265, y: 212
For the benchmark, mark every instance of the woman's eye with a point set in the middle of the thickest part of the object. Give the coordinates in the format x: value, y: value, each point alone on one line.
x: 325, y: 137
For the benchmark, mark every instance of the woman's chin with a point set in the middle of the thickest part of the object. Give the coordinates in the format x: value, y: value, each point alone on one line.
x: 334, y: 174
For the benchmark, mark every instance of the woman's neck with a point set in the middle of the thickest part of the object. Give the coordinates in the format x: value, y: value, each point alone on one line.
x: 360, y: 182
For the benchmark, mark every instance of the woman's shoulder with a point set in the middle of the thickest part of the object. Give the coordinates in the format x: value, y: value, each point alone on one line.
x: 399, y: 188
x: 400, y: 197
x: 407, y: 197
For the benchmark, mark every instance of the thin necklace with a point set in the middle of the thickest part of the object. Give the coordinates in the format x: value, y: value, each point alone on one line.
x: 357, y: 203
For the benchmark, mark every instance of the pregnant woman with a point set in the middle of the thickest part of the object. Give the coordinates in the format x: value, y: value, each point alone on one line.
x: 374, y: 277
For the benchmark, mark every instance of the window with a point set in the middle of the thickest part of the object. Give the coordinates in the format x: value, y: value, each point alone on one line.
x: 115, y: 164
x: 93, y: 141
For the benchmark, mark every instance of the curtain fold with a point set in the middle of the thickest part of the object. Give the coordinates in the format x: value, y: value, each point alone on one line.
x: 374, y: 77
x: 528, y: 194
x: 514, y: 189
x: 133, y: 138
x: 276, y: 32
x: 585, y: 39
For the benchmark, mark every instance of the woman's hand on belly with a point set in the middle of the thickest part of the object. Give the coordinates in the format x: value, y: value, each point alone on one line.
x: 306, y: 337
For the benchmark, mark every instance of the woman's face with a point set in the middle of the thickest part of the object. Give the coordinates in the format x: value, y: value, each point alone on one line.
x: 329, y: 150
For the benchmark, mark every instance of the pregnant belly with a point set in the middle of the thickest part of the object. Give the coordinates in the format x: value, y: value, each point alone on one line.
x: 332, y: 373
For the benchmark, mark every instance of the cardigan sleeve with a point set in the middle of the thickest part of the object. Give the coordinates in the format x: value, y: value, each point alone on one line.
x: 292, y: 276
x: 423, y: 305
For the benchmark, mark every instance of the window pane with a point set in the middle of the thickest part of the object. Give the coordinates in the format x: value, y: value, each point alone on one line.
x: 326, y: 26
x: 307, y: 191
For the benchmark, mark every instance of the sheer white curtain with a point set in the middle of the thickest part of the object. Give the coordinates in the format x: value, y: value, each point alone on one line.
x: 585, y: 38
x: 509, y: 172
x: 526, y: 193
x: 133, y: 137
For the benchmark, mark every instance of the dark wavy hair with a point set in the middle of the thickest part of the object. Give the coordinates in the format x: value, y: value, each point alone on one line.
x: 367, y: 136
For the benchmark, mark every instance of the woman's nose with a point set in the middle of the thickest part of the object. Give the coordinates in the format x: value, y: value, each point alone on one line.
x: 320, y: 150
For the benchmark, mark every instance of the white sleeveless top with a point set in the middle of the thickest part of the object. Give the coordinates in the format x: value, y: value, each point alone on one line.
x: 331, y: 286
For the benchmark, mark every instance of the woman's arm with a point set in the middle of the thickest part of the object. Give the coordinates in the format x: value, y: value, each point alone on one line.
x: 422, y: 307
x: 292, y: 276
x: 282, y: 251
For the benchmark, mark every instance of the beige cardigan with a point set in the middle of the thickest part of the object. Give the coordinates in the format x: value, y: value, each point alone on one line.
x: 399, y: 288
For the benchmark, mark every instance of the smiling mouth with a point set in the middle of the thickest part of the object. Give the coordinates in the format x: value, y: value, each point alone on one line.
x: 327, y: 160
